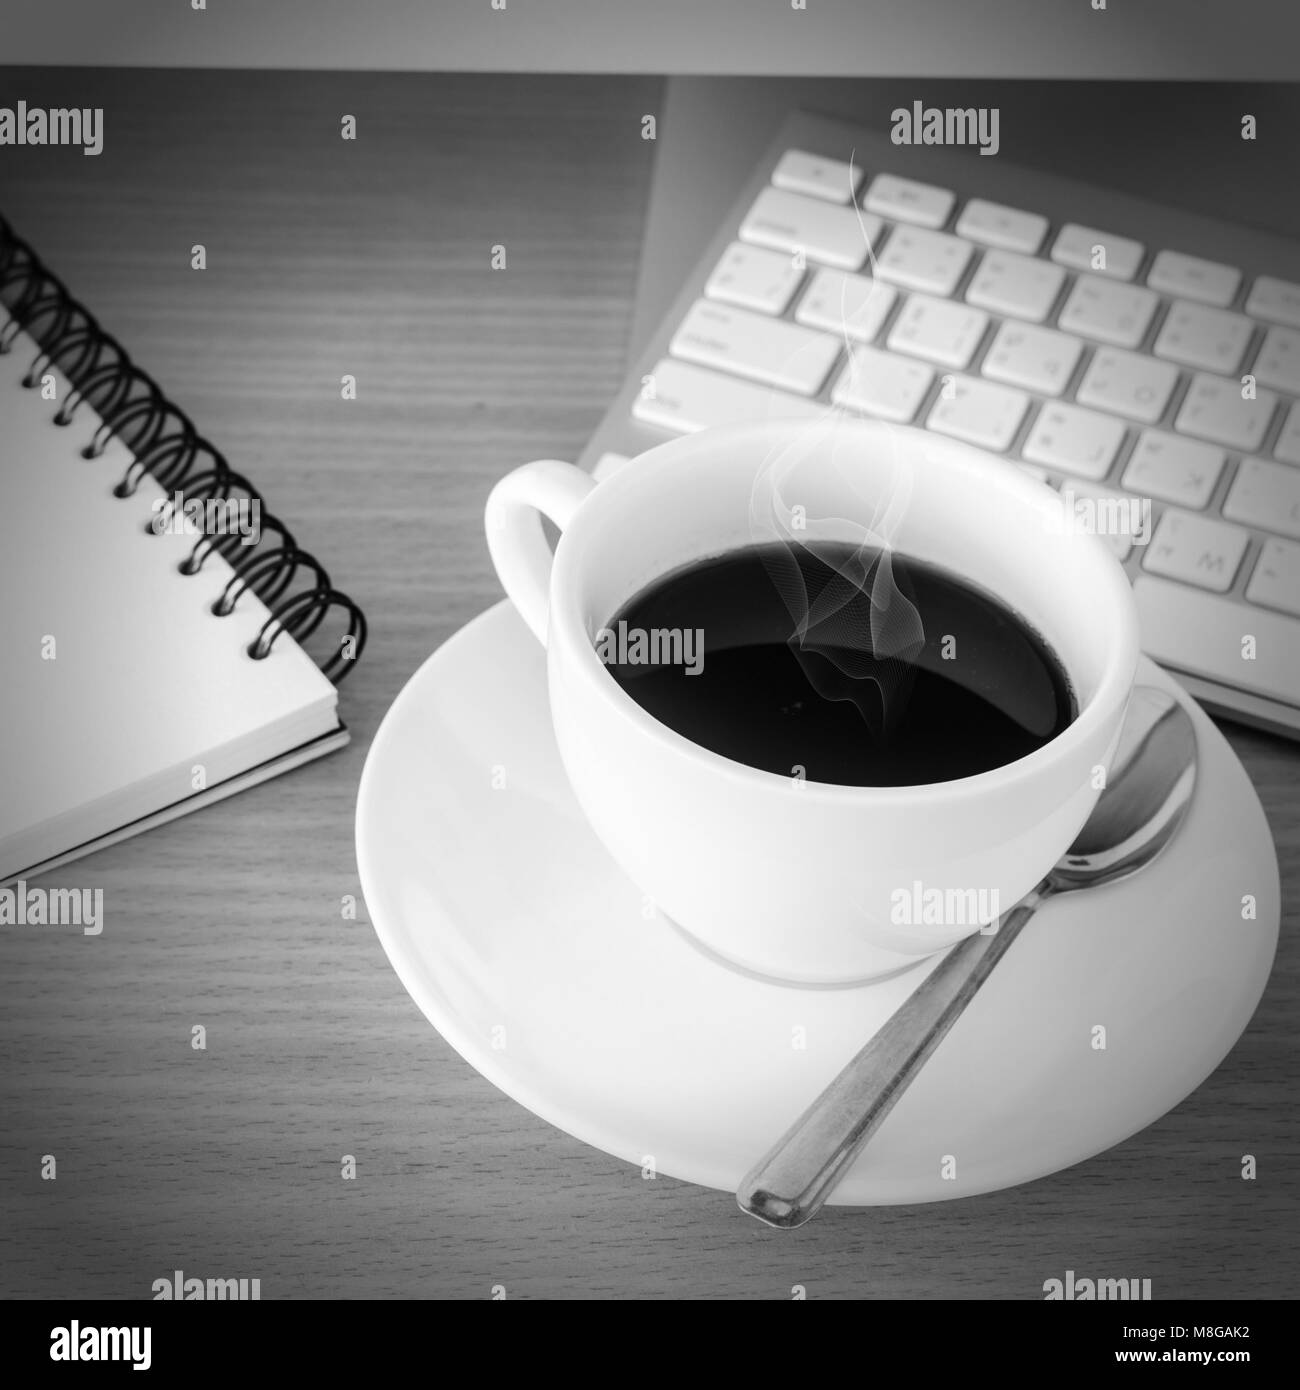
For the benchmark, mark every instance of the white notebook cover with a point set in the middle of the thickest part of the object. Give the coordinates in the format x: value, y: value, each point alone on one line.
x: 143, y: 685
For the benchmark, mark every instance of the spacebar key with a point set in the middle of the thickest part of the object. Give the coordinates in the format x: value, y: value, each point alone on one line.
x: 1204, y: 636
x: 683, y: 399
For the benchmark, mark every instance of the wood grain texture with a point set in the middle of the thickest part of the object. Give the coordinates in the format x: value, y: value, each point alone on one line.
x: 373, y: 259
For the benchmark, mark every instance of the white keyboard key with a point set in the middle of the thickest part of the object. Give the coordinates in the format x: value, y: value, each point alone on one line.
x: 1200, y: 634
x: 1110, y: 312
x: 818, y: 230
x: 904, y: 200
x: 683, y: 399
x: 1073, y: 440
x: 832, y: 179
x: 1078, y: 248
x: 1113, y: 522
x: 750, y: 345
x: 1213, y: 409
x: 1195, y: 550
x: 931, y: 262
x: 980, y: 413
x: 1210, y: 339
x: 1128, y: 383
x: 754, y: 279
x: 881, y: 384
x: 1278, y: 301
x: 1287, y: 447
x: 1008, y: 229
x: 1276, y: 580
x: 938, y: 330
x: 1189, y: 277
x: 1039, y: 475
x: 1020, y: 286
x: 841, y: 302
x: 1039, y: 359
x: 609, y: 464
x: 1174, y: 469
x: 1278, y: 363
x: 1266, y: 495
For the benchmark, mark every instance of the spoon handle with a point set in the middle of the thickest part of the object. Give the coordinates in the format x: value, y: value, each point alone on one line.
x: 789, y: 1185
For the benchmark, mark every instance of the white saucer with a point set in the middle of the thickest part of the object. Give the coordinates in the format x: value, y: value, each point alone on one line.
x: 527, y: 950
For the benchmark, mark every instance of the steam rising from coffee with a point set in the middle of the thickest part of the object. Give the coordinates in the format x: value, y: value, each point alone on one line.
x: 854, y: 631
x: 856, y: 635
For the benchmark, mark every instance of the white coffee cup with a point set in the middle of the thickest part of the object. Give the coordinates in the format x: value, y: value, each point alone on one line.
x: 801, y: 880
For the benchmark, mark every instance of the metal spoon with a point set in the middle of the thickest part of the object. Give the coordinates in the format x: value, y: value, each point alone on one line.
x: 1148, y: 791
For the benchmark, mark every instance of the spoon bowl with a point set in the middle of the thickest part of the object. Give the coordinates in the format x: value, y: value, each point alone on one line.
x: 1140, y: 810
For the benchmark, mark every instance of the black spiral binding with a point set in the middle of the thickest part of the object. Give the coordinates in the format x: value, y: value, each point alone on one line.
x: 165, y: 443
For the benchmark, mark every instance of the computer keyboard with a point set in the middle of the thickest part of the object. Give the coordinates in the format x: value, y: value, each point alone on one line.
x: 1121, y: 359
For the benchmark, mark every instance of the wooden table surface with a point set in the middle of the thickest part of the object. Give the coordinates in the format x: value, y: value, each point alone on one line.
x: 372, y: 258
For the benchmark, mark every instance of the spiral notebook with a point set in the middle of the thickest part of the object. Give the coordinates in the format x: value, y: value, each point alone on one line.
x: 149, y: 661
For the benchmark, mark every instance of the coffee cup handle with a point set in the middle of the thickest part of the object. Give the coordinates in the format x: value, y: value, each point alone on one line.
x: 516, y: 541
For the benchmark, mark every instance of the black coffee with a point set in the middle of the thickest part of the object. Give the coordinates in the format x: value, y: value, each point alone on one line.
x: 838, y: 665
